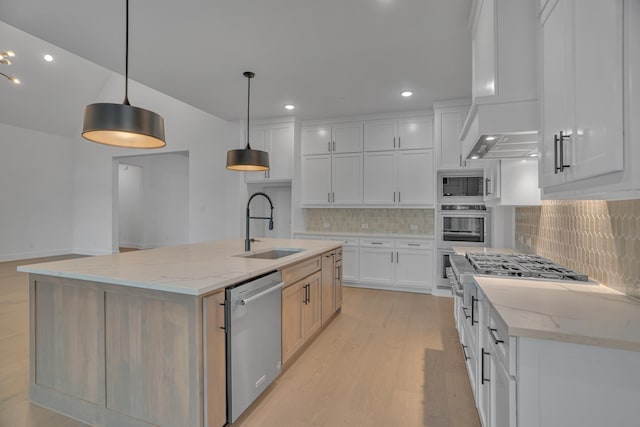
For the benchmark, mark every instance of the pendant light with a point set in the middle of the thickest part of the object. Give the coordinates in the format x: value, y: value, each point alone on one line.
x: 248, y: 159
x: 123, y: 125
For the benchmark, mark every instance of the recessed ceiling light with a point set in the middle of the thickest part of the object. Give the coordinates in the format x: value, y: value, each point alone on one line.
x: 15, y: 80
x: 48, y: 58
x: 490, y: 138
x: 534, y: 154
x: 475, y: 157
x: 290, y: 107
x: 4, y: 61
x: 10, y: 53
x: 406, y: 93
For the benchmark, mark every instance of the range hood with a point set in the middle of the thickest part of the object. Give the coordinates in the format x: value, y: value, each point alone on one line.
x: 501, y: 130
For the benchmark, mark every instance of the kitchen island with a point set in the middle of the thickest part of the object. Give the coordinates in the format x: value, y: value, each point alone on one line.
x: 135, y: 339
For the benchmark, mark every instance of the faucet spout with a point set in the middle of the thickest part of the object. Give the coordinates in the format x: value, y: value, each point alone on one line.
x: 247, y: 240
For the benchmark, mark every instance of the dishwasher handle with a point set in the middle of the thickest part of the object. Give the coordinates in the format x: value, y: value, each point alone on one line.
x: 261, y: 294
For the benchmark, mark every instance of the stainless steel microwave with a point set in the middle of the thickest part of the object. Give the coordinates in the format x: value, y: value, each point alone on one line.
x: 461, y: 187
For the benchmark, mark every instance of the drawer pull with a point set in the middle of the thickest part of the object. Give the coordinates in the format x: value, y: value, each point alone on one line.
x: 414, y: 244
x: 493, y: 335
x: 473, y: 311
x: 376, y: 243
x: 464, y: 310
x: 482, y: 378
x: 464, y: 352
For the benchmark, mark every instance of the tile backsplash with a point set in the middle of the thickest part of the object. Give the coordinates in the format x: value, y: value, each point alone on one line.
x: 392, y: 221
x: 596, y: 237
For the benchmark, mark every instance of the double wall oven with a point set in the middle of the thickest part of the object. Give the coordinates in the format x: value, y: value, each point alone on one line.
x: 462, y: 218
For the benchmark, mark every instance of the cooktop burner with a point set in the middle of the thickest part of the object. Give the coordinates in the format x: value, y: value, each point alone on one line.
x: 522, y: 265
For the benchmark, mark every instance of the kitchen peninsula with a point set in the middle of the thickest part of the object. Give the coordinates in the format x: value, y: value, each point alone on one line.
x: 135, y: 339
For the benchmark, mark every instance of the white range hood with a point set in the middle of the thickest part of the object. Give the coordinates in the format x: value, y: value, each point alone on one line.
x: 501, y: 130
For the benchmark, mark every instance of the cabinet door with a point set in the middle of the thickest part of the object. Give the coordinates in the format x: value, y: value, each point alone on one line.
x: 316, y: 180
x: 380, y: 135
x: 555, y: 84
x: 596, y: 145
x: 258, y: 139
x: 312, y: 310
x: 416, y: 178
x: 503, y: 396
x: 350, y: 263
x: 347, y: 179
x: 376, y: 265
x: 414, y: 267
x: 316, y: 140
x: 293, y: 298
x: 347, y: 137
x: 448, y: 126
x: 380, y: 178
x: 415, y: 133
x: 280, y: 143
x: 215, y: 360
x: 328, y: 286
x: 484, y: 51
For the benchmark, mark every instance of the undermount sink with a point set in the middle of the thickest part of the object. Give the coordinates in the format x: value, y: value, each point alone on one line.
x: 274, y: 253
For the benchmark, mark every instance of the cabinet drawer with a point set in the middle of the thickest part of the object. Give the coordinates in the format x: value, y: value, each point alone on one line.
x: 414, y: 244
x: 376, y: 243
x: 300, y: 270
x: 500, y: 341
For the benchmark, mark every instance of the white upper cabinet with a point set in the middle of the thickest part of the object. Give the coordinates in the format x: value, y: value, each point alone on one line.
x: 347, y: 179
x: 448, y: 121
x: 582, y: 90
x: 403, y: 134
x: 379, y: 178
x: 277, y: 140
x: 416, y: 178
x: 511, y: 182
x: 336, y: 138
x: 316, y: 180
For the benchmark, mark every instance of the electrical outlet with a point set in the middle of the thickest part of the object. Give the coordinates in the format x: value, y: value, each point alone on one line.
x: 413, y: 227
x: 326, y: 225
x: 364, y: 226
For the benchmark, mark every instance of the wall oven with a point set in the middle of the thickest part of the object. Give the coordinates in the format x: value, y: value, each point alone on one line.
x: 464, y: 225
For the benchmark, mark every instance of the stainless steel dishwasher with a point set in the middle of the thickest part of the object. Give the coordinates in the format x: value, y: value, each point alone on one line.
x: 254, y: 340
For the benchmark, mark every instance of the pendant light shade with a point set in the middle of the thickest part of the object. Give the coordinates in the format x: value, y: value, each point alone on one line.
x: 123, y: 125
x: 248, y: 159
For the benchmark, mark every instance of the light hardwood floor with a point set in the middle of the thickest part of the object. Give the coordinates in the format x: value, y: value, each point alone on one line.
x: 389, y: 359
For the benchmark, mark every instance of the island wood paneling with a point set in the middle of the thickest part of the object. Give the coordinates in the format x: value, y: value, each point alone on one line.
x: 67, y: 333
x: 148, y: 366
x: 215, y: 360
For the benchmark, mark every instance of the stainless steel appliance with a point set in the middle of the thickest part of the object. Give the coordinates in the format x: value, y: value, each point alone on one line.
x: 522, y: 265
x: 461, y: 187
x: 464, y: 223
x: 254, y: 340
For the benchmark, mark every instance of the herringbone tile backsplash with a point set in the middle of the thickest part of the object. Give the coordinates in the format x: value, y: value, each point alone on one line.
x: 596, y: 237
x: 391, y: 221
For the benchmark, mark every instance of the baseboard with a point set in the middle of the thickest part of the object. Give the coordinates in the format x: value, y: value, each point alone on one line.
x: 34, y: 254
x: 92, y: 252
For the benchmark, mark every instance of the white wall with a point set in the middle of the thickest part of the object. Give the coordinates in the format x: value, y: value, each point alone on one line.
x: 214, y: 192
x: 36, y: 189
x: 130, y: 215
x: 163, y: 200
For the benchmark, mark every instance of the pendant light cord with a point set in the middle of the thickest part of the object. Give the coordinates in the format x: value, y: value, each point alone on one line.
x: 248, y: 103
x: 126, y: 61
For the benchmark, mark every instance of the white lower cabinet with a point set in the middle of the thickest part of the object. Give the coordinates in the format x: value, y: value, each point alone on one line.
x: 350, y: 263
x: 526, y: 382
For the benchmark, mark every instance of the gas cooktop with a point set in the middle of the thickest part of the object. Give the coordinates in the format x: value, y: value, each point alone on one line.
x: 522, y: 265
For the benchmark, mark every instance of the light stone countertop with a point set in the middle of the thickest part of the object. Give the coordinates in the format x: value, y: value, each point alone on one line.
x: 366, y: 235
x: 577, y: 313
x: 193, y: 269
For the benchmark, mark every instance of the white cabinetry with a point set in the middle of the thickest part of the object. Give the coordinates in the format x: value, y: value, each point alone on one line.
x: 404, y: 134
x: 582, y: 90
x: 448, y: 120
x: 402, y: 265
x: 337, y: 138
x: 350, y: 260
x: 511, y: 182
x: 400, y: 178
x: 277, y: 140
x: 316, y: 180
x: 491, y: 180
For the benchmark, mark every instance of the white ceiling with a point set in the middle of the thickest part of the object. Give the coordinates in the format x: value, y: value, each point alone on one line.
x: 328, y: 57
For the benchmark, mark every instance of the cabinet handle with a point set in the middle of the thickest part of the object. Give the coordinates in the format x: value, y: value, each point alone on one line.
x: 488, y: 180
x: 399, y: 198
x: 555, y: 154
x: 493, y: 335
x: 413, y: 244
x: 460, y: 157
x: 394, y: 197
x: 473, y: 310
x: 391, y: 257
x: 394, y: 142
x: 334, y: 146
x: 464, y: 352
x: 397, y: 257
x: 334, y: 197
x: 464, y: 310
x: 328, y: 197
x: 376, y: 243
x: 482, y: 378
x: 562, y: 165
x: 398, y: 142
x: 329, y: 146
